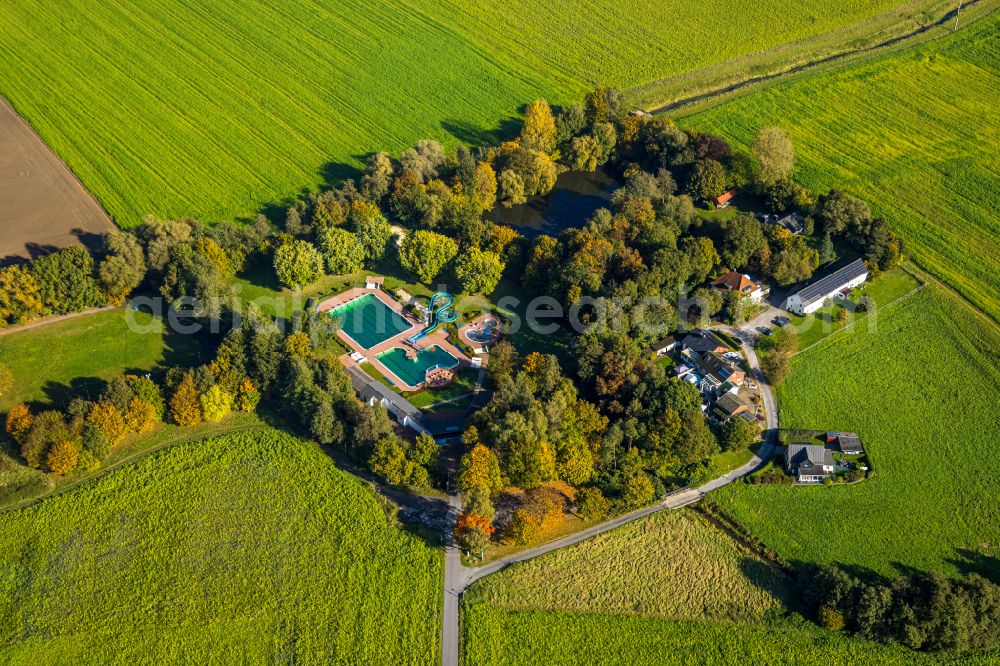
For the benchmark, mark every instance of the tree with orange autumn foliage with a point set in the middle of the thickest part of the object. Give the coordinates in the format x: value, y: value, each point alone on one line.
x: 62, y: 457
x: 19, y: 420
x: 472, y: 532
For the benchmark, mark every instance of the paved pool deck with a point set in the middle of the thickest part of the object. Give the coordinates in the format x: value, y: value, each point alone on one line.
x: 438, y: 337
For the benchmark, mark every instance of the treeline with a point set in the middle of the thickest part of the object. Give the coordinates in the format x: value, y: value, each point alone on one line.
x: 924, y: 611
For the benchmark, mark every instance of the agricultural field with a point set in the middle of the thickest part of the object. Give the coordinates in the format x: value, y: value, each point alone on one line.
x: 915, y: 134
x: 44, y: 206
x: 225, y: 110
x: 670, y: 584
x: 251, y: 547
x: 920, y: 389
x: 55, y: 361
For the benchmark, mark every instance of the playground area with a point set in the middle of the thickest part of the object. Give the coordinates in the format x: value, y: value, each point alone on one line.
x: 411, y: 354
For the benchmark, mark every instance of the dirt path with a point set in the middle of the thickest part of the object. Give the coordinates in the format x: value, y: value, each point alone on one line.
x: 43, y: 206
x: 45, y: 321
x: 844, y: 55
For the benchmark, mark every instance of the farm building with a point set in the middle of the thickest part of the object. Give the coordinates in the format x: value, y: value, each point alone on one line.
x: 725, y: 198
x: 808, y: 463
x: 742, y: 284
x: 812, y: 297
x: 847, y: 442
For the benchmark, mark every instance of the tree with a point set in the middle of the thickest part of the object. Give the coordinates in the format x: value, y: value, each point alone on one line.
x: 743, y: 241
x: 708, y: 180
x: 388, y: 460
x: 539, y: 131
x: 371, y: 227
x: 297, y: 264
x: 423, y: 159
x: 702, y: 257
x: 591, y: 504
x: 866, y: 304
x: 66, y: 280
x: 185, y: 409
x: 737, y: 434
x: 247, y: 396
x: 524, y: 528
x: 62, y: 457
x: 377, y: 178
x: 477, y: 501
x: 140, y: 416
x: 638, y: 491
x: 46, y: 429
x: 478, y: 271
x: 840, y: 212
x: 20, y: 296
x: 511, y: 188
x: 827, y: 253
x: 775, y: 152
x: 123, y: 268
x: 216, y: 403
x: 343, y: 251
x: 485, y: 190
x: 776, y: 368
x: 108, y: 419
x: 708, y: 301
x: 6, y: 380
x: 479, y: 468
x: 425, y: 253
x: 19, y: 420
x: 473, y: 532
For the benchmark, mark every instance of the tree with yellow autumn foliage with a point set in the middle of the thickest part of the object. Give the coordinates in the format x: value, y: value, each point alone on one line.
x: 539, y: 131
x: 62, y: 457
x: 105, y: 417
x: 140, y: 416
x: 184, y: 406
x: 19, y: 420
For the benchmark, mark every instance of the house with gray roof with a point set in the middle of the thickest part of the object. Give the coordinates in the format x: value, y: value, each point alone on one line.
x: 811, y: 298
x: 808, y: 463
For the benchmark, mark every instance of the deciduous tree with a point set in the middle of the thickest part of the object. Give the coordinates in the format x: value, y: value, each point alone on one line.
x: 185, y: 408
x: 425, y: 253
x: 297, y: 264
x: 62, y: 457
x: 216, y: 403
x: 478, y: 271
x: 774, y: 150
x: 539, y: 131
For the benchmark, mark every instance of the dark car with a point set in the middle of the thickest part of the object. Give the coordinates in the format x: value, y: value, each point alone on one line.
x: 781, y: 321
x: 764, y: 330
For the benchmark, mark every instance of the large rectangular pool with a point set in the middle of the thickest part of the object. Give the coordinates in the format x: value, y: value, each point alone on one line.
x: 414, y: 371
x: 368, y: 321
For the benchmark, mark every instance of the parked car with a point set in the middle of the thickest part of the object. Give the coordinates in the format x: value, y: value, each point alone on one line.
x: 764, y: 330
x: 781, y: 321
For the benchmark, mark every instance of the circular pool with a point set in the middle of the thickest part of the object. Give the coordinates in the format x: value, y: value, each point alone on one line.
x: 484, y: 333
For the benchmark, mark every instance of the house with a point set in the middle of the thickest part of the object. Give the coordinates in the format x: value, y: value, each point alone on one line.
x: 717, y: 365
x: 741, y: 284
x: 809, y: 463
x: 725, y: 198
x: 374, y: 282
x: 665, y: 346
x: 791, y: 221
x: 812, y: 297
x: 729, y: 406
x: 704, y: 341
x: 847, y: 442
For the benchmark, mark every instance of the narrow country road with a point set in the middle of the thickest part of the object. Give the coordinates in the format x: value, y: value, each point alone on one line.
x: 458, y: 577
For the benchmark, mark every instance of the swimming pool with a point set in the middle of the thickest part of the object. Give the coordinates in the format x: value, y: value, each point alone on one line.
x: 414, y: 371
x: 368, y: 321
x: 483, y: 335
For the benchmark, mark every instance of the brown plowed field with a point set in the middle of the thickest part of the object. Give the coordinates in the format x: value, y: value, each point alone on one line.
x: 43, y: 206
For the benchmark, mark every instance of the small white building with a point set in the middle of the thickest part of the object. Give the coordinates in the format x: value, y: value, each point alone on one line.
x: 813, y: 296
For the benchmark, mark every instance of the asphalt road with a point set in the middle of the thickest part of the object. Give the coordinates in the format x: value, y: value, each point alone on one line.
x: 458, y: 577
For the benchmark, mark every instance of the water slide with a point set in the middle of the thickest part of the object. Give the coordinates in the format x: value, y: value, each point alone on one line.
x: 441, y: 313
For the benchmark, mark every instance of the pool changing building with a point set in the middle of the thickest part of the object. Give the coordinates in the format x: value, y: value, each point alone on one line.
x: 812, y: 297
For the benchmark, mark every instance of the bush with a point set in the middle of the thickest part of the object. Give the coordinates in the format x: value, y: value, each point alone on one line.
x: 592, y: 504
x: 523, y: 528
x: 96, y: 443
x: 88, y: 462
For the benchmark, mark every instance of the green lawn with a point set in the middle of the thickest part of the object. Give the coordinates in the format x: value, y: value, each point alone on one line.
x: 464, y: 384
x: 224, y: 109
x: 668, y: 589
x: 915, y: 134
x: 920, y: 389
x: 248, y: 548
x: 885, y: 289
x: 55, y: 361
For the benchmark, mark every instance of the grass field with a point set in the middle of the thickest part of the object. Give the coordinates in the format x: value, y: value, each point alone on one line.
x: 916, y: 135
x: 249, y: 548
x: 920, y: 389
x: 668, y: 589
x: 55, y: 361
x: 221, y: 110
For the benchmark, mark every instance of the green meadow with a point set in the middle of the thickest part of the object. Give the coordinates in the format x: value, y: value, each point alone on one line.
x: 224, y: 109
x: 246, y: 548
x: 920, y: 388
x: 915, y: 134
x: 55, y: 361
x: 670, y: 588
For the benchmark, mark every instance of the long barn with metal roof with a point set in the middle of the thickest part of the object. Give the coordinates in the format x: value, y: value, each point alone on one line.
x: 812, y: 297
